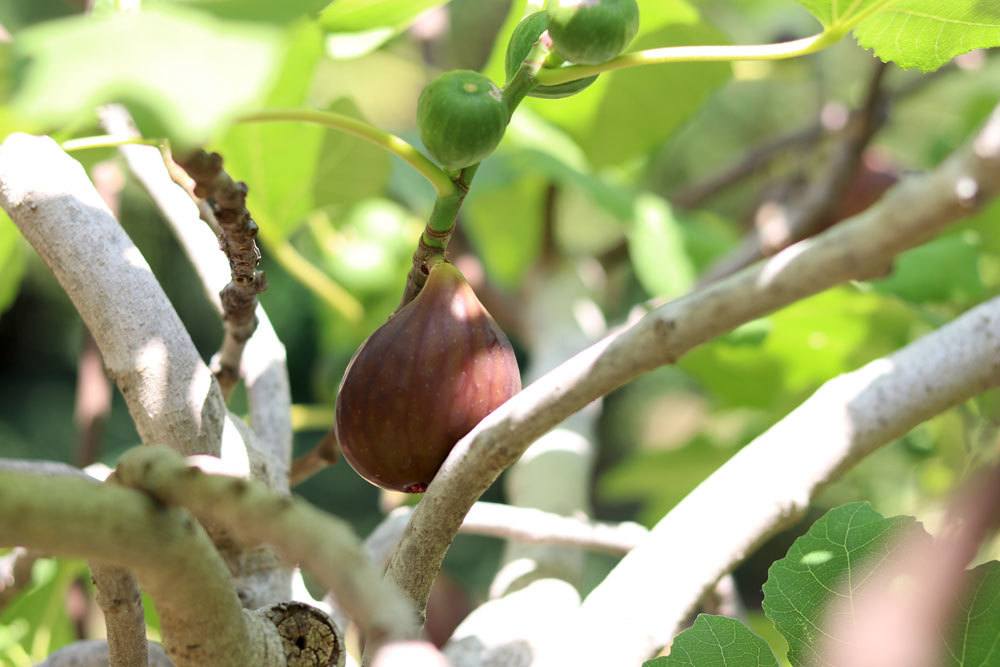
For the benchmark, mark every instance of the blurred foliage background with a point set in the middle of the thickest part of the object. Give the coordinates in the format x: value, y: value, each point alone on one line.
x: 598, y: 178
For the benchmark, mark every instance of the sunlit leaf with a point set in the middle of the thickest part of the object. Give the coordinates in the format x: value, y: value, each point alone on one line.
x: 180, y: 89
x: 829, y: 560
x: 928, y: 33
x: 656, y: 246
x: 294, y: 168
x: 503, y: 217
x: 717, y: 641
x: 840, y: 12
x: 975, y: 634
x: 363, y: 15
x: 42, y: 609
x: 268, y: 11
x: 946, y: 269
x: 914, y: 33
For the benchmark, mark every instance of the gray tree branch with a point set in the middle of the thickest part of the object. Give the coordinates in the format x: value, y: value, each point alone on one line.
x: 300, y: 533
x: 647, y: 597
x: 170, y: 392
x: 263, y: 364
x: 202, y: 621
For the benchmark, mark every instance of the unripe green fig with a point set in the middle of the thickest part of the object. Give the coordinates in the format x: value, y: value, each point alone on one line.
x: 462, y: 117
x: 590, y: 32
x: 421, y: 382
x: 521, y: 40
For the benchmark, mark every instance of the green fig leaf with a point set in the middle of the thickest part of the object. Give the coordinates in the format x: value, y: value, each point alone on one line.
x: 830, y: 557
x: 183, y: 91
x: 924, y: 34
x: 717, y: 641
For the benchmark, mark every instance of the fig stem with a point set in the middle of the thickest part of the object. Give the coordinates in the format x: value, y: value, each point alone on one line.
x: 437, y: 233
x: 526, y: 76
x: 399, y: 147
x: 106, y: 141
x: 681, y: 54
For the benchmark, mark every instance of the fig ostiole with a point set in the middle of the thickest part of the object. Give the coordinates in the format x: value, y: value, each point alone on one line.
x: 591, y: 32
x: 462, y: 118
x: 525, y: 34
x: 421, y: 382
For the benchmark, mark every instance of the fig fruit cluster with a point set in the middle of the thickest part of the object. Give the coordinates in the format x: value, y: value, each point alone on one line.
x: 462, y: 115
x: 421, y: 382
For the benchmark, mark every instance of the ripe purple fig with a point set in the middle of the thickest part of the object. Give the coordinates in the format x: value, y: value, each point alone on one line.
x: 421, y: 382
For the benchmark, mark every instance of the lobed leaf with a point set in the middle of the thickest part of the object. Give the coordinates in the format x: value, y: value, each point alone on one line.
x: 831, y: 559
x: 717, y: 641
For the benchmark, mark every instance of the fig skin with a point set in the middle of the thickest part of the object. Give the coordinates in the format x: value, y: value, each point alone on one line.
x: 462, y: 118
x: 421, y: 382
x: 591, y: 32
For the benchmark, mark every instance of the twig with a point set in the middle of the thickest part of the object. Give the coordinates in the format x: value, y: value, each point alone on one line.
x: 695, y: 194
x: 522, y: 524
x: 911, y: 213
x: 300, y: 533
x: 759, y: 158
x: 170, y: 393
x: 238, y: 241
x: 200, y: 614
x: 845, y: 420
x: 779, y: 226
x: 95, y: 653
x: 119, y: 598
x: 323, y: 454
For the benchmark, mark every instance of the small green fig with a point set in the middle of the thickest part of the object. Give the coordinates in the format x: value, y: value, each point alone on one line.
x: 522, y: 39
x: 421, y: 382
x: 590, y: 32
x: 462, y: 117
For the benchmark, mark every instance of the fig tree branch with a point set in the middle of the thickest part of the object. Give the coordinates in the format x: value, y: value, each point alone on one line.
x: 911, y: 213
x: 322, y: 544
x: 201, y: 618
x: 170, y: 392
x: 263, y: 365
x: 521, y: 524
x: 844, y: 421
